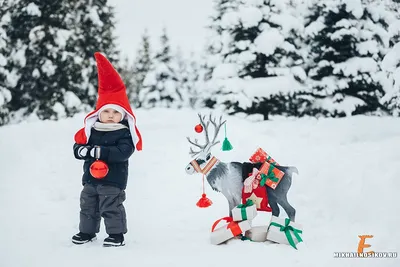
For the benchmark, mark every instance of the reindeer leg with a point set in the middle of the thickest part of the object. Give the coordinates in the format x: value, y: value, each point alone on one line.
x: 290, y: 211
x: 273, y: 204
x: 231, y: 206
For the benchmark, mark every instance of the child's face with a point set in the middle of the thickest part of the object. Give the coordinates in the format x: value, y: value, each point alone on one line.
x: 110, y: 115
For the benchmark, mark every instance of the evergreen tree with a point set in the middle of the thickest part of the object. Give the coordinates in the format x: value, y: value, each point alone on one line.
x: 188, y: 77
x: 127, y: 73
x: 53, y: 43
x: 216, y: 45
x: 142, y: 66
x: 258, y: 37
x: 5, y: 94
x: 256, y: 40
x: 391, y: 64
x: 348, y: 40
x: 93, y: 32
x: 160, y: 85
x: 37, y: 33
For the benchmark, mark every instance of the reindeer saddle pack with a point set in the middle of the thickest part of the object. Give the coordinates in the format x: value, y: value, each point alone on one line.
x: 260, y: 172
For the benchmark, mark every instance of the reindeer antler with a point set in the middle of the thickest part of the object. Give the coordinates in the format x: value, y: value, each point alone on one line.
x: 195, y: 143
x: 205, y: 125
x: 217, y: 129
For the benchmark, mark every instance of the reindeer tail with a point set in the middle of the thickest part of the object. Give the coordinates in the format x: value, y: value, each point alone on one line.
x: 289, y: 170
x: 292, y: 170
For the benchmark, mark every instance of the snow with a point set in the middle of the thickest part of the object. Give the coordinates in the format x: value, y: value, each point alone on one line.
x: 391, y: 60
x: 60, y: 110
x: 250, y: 16
x: 62, y: 37
x: 355, y: 7
x: 356, y: 65
x: 370, y: 47
x: 347, y: 186
x: 12, y: 78
x: 19, y: 55
x: 71, y: 100
x: 391, y: 64
x: 346, y: 105
x: 230, y: 19
x: 48, y: 67
x: 94, y: 17
x: 37, y: 33
x: 337, y: 35
x: 268, y: 41
x: 315, y: 27
x: 287, y: 22
x: 299, y: 72
x: 225, y: 70
x: 35, y: 73
x: 3, y: 61
x: 33, y: 10
x: 5, y: 96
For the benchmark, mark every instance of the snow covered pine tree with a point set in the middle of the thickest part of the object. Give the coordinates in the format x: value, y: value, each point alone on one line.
x: 160, y: 85
x: 52, y: 43
x: 348, y: 39
x: 5, y: 75
x: 254, y: 54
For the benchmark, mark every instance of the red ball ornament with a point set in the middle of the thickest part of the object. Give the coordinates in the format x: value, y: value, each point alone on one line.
x: 198, y: 128
x: 98, y: 169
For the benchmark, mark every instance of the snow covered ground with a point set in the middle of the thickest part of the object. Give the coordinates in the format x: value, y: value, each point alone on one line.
x: 348, y: 186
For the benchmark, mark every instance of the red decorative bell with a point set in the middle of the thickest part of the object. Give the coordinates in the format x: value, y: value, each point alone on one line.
x: 99, y: 169
x: 198, y: 128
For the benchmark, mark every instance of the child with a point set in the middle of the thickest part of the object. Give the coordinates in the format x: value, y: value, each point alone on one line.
x: 109, y: 135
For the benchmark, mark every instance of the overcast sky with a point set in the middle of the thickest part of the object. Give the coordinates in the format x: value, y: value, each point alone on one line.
x: 185, y: 21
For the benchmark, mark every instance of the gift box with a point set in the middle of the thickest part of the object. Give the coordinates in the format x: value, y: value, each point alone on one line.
x: 246, y: 211
x: 257, y: 233
x: 270, y: 175
x: 261, y: 156
x: 284, y: 231
x: 259, y: 198
x: 229, y: 231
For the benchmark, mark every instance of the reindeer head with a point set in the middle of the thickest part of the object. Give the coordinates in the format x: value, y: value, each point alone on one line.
x: 203, y: 154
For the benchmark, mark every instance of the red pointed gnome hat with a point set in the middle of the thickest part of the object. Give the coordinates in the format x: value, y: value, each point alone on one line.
x: 111, y: 91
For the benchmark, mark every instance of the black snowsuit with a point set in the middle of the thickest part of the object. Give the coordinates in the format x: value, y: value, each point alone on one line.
x: 105, y: 197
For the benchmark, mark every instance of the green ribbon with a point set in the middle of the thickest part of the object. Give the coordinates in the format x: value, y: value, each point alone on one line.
x: 243, y: 207
x: 270, y: 176
x: 287, y: 228
x: 244, y: 238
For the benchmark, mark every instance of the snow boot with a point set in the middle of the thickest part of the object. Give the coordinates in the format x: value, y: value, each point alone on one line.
x: 114, y: 240
x: 82, y: 238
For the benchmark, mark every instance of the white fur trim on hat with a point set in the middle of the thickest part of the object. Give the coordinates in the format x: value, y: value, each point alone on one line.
x: 92, y: 118
x: 115, y: 107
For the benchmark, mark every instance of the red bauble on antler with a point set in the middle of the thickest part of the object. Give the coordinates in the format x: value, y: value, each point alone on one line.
x: 198, y: 128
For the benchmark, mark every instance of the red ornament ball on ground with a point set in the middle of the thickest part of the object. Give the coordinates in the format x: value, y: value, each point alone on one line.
x: 99, y: 169
x: 198, y: 128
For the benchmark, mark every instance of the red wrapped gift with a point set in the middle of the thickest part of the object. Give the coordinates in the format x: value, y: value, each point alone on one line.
x: 270, y: 175
x: 261, y: 156
x: 259, y: 198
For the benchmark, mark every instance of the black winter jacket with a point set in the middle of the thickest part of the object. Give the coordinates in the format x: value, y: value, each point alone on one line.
x: 116, y: 148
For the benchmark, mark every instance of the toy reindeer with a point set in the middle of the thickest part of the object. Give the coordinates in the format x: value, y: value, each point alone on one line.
x: 228, y: 178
